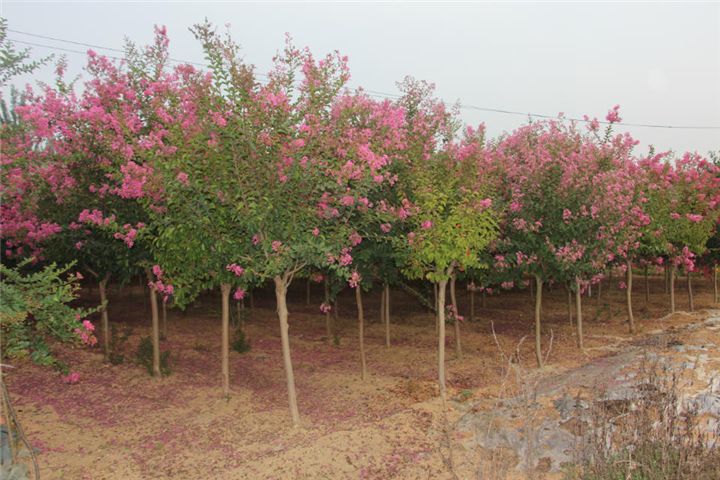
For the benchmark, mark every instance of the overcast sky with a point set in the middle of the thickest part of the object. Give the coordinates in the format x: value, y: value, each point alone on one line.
x: 659, y: 61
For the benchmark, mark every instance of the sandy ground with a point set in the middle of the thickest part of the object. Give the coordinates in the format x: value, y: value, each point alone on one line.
x: 119, y: 423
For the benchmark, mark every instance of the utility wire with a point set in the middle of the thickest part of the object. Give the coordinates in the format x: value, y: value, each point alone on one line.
x: 373, y: 93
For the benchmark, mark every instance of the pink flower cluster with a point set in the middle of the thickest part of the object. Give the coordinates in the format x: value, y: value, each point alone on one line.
x: 85, y: 333
x: 236, y: 269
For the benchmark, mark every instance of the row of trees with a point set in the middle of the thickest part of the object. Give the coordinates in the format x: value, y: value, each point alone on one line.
x: 213, y: 179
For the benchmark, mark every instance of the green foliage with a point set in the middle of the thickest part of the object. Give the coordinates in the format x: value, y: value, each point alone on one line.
x: 144, y: 357
x: 35, y: 306
x: 14, y: 62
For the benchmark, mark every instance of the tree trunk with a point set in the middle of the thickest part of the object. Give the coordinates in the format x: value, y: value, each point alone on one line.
x: 647, y: 286
x: 441, y: 336
x: 672, y: 288
x: 382, y: 306
x: 281, y: 299
x: 599, y: 292
x: 715, y: 284
x: 578, y: 314
x: 105, y: 322
x: 538, y: 307
x: 690, y: 292
x: 532, y: 290
x: 361, y: 331
x: 163, y: 331
x: 472, y: 304
x: 569, y: 304
x: 328, y: 326
x: 155, y: 327
x: 667, y: 279
x: 453, y: 300
x: 225, y: 348
x: 435, y: 295
x: 387, y: 315
x: 628, y: 296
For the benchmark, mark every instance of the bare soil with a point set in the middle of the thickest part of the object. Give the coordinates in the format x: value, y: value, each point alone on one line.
x: 120, y: 423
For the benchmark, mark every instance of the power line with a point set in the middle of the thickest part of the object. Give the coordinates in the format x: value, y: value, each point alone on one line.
x: 374, y: 93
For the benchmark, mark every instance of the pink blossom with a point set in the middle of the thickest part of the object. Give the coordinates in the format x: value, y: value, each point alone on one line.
x: 325, y: 308
x: 354, y: 279
x: 316, y: 231
x: 236, y: 269
x: 182, y: 177
x: 255, y: 239
x: 157, y: 271
x: 276, y: 245
x: 613, y: 115
x: 385, y: 227
x: 486, y: 203
x: 88, y: 326
x: 695, y: 218
x: 427, y: 224
x: 355, y: 239
x: 239, y: 294
x: 71, y: 378
x: 347, y: 200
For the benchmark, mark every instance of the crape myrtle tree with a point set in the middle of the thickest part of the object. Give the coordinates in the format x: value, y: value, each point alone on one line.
x: 564, y: 197
x: 295, y: 180
x: 451, y: 216
x: 683, y: 197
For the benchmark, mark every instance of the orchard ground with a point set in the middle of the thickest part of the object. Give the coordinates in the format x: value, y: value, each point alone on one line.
x: 120, y: 423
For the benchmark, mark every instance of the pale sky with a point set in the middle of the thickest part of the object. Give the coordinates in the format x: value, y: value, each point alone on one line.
x: 659, y: 61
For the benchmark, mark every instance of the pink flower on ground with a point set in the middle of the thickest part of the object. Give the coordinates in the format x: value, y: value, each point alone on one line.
x: 71, y: 378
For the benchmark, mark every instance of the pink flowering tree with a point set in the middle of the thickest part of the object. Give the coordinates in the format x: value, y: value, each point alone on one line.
x: 277, y: 168
x: 683, y: 198
x: 451, y: 214
x: 566, y: 196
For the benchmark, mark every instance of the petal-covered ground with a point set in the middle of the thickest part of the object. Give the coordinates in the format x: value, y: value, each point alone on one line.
x: 120, y: 423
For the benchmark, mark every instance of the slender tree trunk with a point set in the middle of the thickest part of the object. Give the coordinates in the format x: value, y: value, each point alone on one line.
x: 155, y: 327
x: 647, y: 286
x: 102, y: 286
x: 538, y: 308
x: 672, y: 288
x: 163, y: 331
x: 569, y: 304
x: 578, y: 314
x: 532, y: 290
x: 387, y: 315
x: 628, y: 296
x: 307, y: 291
x: 715, y: 284
x: 472, y: 304
x: 225, y: 348
x: 453, y: 300
x: 281, y: 299
x: 361, y: 331
x: 328, y: 327
x: 667, y: 279
x: 441, y: 336
x: 690, y: 292
x: 382, y: 306
x: 435, y: 295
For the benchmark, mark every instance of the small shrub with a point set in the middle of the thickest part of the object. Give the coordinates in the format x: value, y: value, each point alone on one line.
x: 144, y: 357
x: 240, y: 343
x: 117, y: 343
